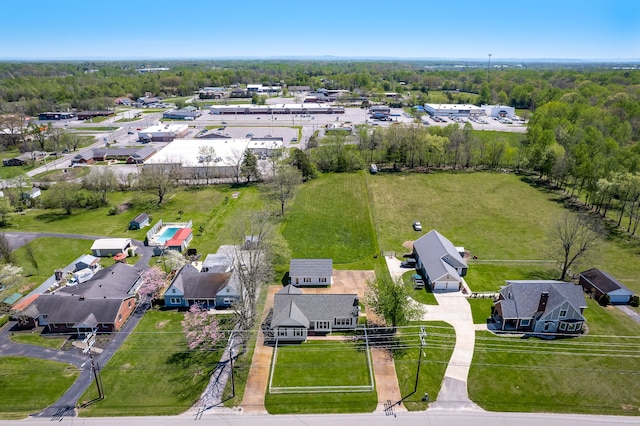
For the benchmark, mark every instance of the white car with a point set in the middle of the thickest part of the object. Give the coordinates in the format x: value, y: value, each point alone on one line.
x: 417, y: 226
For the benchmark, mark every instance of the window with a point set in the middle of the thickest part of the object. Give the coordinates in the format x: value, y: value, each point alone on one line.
x: 571, y: 327
x: 342, y: 321
x: 174, y: 301
x: 578, y: 326
x: 322, y: 325
x: 322, y: 279
x: 563, y: 313
x: 282, y: 332
x: 524, y: 322
x: 226, y: 301
x: 563, y: 326
x: 119, y: 317
x: 307, y: 280
x: 297, y: 332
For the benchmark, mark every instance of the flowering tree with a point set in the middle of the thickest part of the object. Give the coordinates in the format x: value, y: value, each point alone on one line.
x: 153, y: 280
x: 174, y: 260
x: 200, y: 328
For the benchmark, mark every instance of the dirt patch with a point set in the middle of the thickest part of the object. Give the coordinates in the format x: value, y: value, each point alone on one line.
x: 408, y: 245
x: 162, y: 324
x: 126, y: 366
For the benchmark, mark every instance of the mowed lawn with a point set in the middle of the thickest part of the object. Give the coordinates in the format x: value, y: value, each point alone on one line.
x: 321, y: 363
x: 19, y: 375
x: 330, y: 218
x: 153, y: 373
x: 495, y: 216
x: 598, y: 373
x: 440, y: 341
x: 483, y: 277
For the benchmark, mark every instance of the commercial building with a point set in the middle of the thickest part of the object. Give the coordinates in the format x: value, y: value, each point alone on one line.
x: 182, y: 114
x: 453, y: 110
x: 48, y: 116
x: 501, y: 111
x: 305, y: 108
x: 222, y: 163
x: 163, y: 132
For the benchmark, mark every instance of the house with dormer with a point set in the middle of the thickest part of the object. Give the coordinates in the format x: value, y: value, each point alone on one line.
x: 544, y: 307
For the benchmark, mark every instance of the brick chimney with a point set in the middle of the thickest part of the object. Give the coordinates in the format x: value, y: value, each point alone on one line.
x: 542, y: 304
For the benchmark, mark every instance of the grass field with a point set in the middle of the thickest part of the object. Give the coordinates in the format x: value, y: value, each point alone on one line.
x: 38, y: 340
x: 496, y: 216
x: 321, y: 363
x: 440, y: 341
x: 153, y: 373
x: 480, y: 309
x: 596, y: 373
x: 424, y: 296
x: 483, y: 277
x: 19, y: 374
x: 330, y: 218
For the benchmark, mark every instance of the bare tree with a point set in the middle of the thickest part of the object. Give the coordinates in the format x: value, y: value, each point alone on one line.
x: 158, y: 179
x: 252, y: 255
x: 101, y: 180
x: 282, y: 188
x: 207, y: 156
x: 573, y: 236
x: 235, y: 161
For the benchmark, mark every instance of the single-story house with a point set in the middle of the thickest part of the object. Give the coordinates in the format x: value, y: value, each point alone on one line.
x: 438, y: 260
x: 105, y: 247
x: 31, y: 194
x: 77, y: 314
x: 296, y: 315
x: 553, y: 307
x: 596, y: 283
x: 140, y: 221
x: 119, y: 279
x: 180, y: 240
x: 209, y: 289
x: 311, y: 272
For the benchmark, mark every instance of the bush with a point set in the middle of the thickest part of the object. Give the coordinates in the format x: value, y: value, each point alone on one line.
x: 634, y: 301
x: 113, y: 210
x: 604, y: 300
x: 4, y: 320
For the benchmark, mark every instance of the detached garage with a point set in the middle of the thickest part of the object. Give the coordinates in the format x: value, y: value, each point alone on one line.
x: 596, y: 283
x: 107, y: 247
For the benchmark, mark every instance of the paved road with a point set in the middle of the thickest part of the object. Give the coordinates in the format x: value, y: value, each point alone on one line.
x: 429, y: 418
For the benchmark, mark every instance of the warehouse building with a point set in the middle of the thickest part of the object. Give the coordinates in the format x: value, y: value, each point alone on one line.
x: 275, y: 109
x: 453, y: 110
x: 501, y: 111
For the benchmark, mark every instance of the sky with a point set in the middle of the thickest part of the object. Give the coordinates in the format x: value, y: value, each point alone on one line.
x: 134, y: 29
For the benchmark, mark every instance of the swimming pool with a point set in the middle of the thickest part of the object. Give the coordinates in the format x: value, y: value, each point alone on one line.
x: 166, y: 234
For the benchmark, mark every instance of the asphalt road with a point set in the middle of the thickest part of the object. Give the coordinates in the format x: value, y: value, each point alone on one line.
x: 429, y: 418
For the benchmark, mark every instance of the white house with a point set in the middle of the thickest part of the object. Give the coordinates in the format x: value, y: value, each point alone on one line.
x: 439, y: 262
x: 311, y: 272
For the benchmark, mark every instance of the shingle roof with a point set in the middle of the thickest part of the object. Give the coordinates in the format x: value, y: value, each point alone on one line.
x: 311, y: 267
x: 200, y: 285
x: 77, y: 310
x: 116, y: 280
x: 438, y: 255
x: 520, y: 299
x: 290, y: 304
x: 603, y: 281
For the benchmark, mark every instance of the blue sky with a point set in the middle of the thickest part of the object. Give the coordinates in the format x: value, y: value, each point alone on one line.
x: 516, y: 29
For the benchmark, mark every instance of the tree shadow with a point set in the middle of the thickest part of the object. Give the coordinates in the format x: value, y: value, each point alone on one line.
x: 51, y: 217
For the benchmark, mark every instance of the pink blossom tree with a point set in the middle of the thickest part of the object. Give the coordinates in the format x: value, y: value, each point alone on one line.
x: 153, y: 280
x: 200, y: 328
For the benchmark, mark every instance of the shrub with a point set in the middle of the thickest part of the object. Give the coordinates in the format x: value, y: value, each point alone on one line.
x: 604, y: 300
x: 634, y: 301
x: 113, y: 210
x: 4, y: 320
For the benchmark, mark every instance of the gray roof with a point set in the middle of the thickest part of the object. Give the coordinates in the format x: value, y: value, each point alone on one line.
x: 292, y: 308
x: 78, y: 310
x: 603, y: 281
x: 520, y: 299
x: 86, y: 259
x: 222, y: 261
x: 114, y: 281
x: 438, y: 255
x: 142, y: 217
x: 200, y: 285
x: 311, y: 267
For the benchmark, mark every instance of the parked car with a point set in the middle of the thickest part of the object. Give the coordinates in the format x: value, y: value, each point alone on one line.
x: 418, y: 284
x: 417, y: 226
x: 409, y: 263
x: 130, y: 132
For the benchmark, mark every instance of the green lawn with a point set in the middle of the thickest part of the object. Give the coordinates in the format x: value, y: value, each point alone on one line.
x: 440, y: 341
x: 38, y: 340
x: 321, y: 363
x: 153, y: 373
x: 480, y: 309
x: 424, y: 296
x: 484, y: 277
x: 598, y: 373
x: 330, y: 218
x: 496, y: 216
x: 18, y: 378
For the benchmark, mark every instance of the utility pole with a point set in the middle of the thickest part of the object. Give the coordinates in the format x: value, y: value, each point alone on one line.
x: 90, y: 340
x: 388, y: 406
